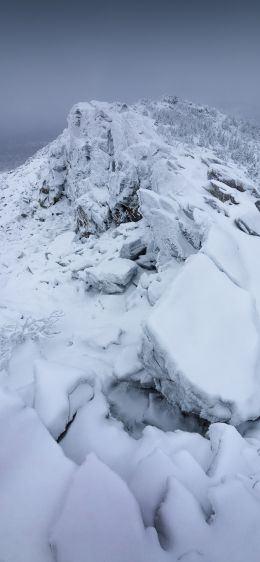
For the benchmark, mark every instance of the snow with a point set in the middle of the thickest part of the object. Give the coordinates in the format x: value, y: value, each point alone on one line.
x: 57, y: 396
x: 34, y: 476
x: 129, y: 321
x: 100, y: 505
x: 62, y: 244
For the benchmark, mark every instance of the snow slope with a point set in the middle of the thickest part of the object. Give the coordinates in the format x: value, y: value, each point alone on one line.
x: 129, y: 339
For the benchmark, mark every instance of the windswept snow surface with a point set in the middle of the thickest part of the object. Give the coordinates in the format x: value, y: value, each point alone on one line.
x: 130, y: 340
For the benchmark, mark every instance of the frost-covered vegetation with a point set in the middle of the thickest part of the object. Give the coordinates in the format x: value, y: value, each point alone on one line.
x: 205, y: 127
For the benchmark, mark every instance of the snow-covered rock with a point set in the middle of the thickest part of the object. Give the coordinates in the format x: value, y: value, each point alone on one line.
x: 233, y: 180
x: 111, y: 276
x: 202, y: 344
x: 133, y: 248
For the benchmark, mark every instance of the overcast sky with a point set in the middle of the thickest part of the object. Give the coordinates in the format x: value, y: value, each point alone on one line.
x: 54, y: 53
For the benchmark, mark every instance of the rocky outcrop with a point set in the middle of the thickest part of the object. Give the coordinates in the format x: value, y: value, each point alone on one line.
x: 111, y: 153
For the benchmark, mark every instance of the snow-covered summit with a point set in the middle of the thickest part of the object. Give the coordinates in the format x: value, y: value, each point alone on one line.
x: 110, y: 151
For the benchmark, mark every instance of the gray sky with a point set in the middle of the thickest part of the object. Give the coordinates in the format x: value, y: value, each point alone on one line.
x: 54, y: 53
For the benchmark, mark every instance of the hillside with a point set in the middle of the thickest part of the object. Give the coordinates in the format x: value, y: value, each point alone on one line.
x: 130, y: 339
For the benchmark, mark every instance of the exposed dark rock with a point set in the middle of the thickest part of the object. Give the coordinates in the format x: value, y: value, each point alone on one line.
x: 242, y: 225
x: 213, y: 204
x: 221, y: 194
x: 215, y: 174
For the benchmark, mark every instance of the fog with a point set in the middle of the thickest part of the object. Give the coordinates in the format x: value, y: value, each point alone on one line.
x: 53, y: 54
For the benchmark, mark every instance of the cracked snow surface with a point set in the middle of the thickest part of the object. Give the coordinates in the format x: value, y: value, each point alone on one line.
x: 130, y: 340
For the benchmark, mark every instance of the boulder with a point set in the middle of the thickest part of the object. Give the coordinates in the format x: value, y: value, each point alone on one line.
x: 201, y: 344
x: 111, y: 276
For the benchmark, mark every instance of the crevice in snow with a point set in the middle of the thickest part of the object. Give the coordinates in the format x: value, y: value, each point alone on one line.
x: 138, y: 405
x: 64, y: 432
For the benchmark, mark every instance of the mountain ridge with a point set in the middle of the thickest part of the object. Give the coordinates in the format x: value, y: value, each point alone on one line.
x: 130, y: 339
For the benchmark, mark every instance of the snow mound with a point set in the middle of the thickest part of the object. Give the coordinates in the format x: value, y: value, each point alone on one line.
x: 34, y: 477
x: 101, y: 521
x: 59, y: 393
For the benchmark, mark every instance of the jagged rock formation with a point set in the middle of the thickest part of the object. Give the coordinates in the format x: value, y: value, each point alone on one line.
x: 112, y: 151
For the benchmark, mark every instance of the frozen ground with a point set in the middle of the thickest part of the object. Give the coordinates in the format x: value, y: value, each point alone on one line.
x: 129, y: 340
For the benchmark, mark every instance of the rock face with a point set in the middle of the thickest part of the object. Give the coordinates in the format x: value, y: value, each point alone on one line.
x: 101, y: 149
x: 110, y: 154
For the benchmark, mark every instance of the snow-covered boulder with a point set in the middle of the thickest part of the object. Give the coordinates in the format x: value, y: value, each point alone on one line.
x: 177, y: 230
x: 133, y: 248
x: 111, y: 276
x: 201, y: 342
